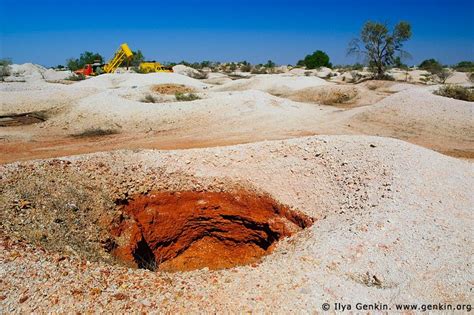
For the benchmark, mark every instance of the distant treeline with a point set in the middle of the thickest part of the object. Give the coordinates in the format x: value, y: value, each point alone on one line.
x: 378, y: 46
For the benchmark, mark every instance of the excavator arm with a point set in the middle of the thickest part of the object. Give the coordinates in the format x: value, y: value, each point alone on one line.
x: 119, y: 57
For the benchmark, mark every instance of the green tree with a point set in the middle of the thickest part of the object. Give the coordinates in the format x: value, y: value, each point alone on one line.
x: 397, y: 63
x: 205, y: 64
x: 317, y: 59
x: 136, y: 59
x: 270, y: 64
x: 245, y: 66
x: 431, y: 65
x: 379, y: 45
x: 86, y: 57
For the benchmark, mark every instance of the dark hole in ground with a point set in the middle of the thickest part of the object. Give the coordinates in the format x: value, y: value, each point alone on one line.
x: 180, y: 231
x: 22, y: 119
x: 144, y: 257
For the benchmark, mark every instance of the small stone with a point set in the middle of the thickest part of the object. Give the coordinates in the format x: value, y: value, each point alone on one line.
x: 121, y: 296
x: 145, y: 302
x: 23, y: 298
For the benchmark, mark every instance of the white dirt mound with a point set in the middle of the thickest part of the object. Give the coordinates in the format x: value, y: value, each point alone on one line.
x: 116, y: 80
x: 217, y: 78
x: 33, y: 73
x: 233, y: 113
x: 459, y: 78
x: 419, y: 116
x: 187, y: 71
x: 274, y: 84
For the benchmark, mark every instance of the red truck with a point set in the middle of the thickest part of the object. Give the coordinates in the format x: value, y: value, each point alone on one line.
x: 90, y: 69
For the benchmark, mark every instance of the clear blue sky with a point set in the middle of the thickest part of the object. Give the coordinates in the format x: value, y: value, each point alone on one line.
x: 48, y: 32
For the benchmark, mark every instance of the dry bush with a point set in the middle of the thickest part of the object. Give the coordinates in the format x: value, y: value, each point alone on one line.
x: 4, y: 68
x: 471, y: 77
x: 337, y: 97
x: 76, y: 77
x: 444, y: 74
x: 149, y: 99
x: 95, y: 132
x: 327, y: 95
x: 199, y: 75
x: 259, y: 70
x: 457, y: 92
x: 186, y: 97
x: 171, y: 89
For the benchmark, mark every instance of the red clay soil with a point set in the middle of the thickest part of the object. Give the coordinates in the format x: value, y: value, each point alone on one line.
x: 51, y: 147
x: 181, y: 231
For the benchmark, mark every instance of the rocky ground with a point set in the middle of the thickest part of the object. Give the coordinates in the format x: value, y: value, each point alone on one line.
x: 344, y: 207
x: 389, y: 227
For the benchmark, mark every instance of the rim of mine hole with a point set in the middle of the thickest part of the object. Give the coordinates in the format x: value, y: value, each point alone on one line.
x: 22, y: 119
x: 187, y: 230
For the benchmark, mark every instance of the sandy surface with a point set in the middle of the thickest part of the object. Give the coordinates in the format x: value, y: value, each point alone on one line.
x: 392, y: 219
x: 260, y: 108
x: 419, y: 116
x: 389, y: 228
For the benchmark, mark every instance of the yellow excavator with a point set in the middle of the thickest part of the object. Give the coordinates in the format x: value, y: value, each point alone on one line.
x: 123, y: 53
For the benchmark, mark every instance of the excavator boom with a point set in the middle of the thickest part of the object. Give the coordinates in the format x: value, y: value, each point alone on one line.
x: 119, y: 57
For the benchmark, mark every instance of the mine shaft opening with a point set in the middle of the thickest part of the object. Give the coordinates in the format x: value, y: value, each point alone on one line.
x: 187, y: 230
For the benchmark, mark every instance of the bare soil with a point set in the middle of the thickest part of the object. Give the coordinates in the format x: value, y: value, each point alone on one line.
x: 172, y: 88
x: 387, y: 226
x: 243, y: 213
x: 181, y: 231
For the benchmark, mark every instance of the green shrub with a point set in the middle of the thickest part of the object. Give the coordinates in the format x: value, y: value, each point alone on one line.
x: 95, y: 132
x: 464, y: 66
x: 86, y: 57
x: 246, y: 68
x: 357, y: 66
x: 76, y: 77
x: 457, y: 92
x: 431, y: 65
x: 258, y: 70
x: 4, y: 68
x: 148, y: 99
x: 270, y: 64
x: 186, y: 97
x: 397, y: 63
x: 316, y: 60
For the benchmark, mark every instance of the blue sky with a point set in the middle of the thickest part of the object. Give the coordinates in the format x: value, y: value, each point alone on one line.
x: 48, y: 32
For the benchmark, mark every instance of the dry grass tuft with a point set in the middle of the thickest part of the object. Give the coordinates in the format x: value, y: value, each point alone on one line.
x: 95, y: 132
x: 186, y: 97
x: 457, y: 92
x: 171, y: 89
x: 149, y: 99
x: 327, y: 95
